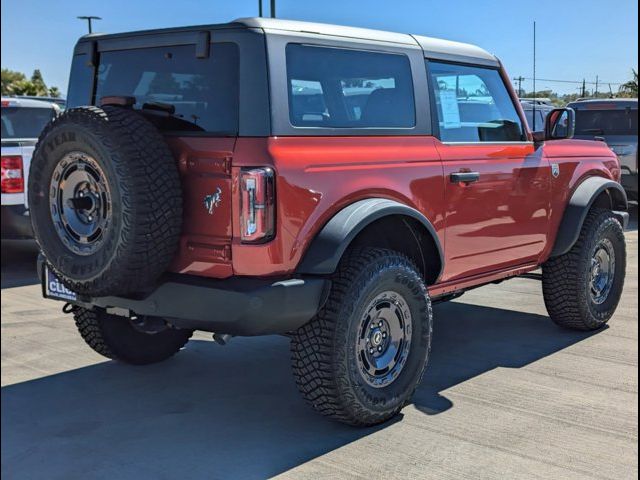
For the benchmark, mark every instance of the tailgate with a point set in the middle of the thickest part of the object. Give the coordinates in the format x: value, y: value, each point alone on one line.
x: 205, y: 170
x: 23, y: 148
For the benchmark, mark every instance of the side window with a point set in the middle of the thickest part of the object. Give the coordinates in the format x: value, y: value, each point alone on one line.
x: 341, y: 88
x: 80, y: 82
x: 473, y: 105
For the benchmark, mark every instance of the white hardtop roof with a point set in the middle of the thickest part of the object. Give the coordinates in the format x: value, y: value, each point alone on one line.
x: 435, y: 46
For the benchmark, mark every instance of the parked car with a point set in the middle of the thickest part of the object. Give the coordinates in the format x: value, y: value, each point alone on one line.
x: 61, y: 102
x: 616, y: 122
x: 537, y: 109
x: 22, y: 122
x: 328, y: 183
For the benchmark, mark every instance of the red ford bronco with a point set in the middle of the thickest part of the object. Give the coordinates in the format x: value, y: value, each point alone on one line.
x: 328, y: 183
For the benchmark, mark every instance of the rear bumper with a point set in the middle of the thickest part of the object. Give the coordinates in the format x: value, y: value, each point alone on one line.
x: 236, y: 306
x: 16, y: 223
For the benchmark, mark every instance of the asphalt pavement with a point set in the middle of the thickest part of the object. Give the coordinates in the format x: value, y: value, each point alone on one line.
x: 506, y: 395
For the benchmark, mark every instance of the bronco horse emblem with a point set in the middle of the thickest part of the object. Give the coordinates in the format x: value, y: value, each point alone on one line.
x: 212, y: 201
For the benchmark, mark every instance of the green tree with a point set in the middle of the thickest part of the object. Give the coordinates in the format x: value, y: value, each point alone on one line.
x: 9, y: 77
x: 24, y: 87
x: 16, y: 83
x: 630, y: 88
x: 38, y: 83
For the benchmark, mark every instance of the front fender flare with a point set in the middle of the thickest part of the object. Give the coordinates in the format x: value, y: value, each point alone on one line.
x: 330, y: 243
x: 578, y: 207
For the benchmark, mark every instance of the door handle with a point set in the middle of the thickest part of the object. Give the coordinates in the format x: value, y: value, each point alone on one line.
x: 464, y: 177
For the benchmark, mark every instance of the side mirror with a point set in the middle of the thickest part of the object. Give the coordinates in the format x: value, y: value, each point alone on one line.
x: 560, y: 124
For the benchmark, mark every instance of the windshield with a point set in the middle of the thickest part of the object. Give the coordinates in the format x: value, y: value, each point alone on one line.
x: 24, y: 122
x: 607, y: 122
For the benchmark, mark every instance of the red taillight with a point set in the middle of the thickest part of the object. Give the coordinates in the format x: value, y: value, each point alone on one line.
x: 12, y: 177
x: 257, y: 205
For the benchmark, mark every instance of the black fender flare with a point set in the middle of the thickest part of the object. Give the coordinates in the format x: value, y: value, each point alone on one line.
x: 579, y: 205
x: 327, y: 248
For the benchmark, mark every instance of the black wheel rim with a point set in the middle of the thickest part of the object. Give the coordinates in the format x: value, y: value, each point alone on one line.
x: 384, y: 339
x: 602, y: 271
x: 80, y: 203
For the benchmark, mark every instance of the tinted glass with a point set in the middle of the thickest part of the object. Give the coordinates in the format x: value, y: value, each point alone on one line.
x: 473, y: 105
x: 24, y: 122
x: 607, y: 122
x: 540, y: 116
x: 79, y: 91
x: 340, y: 88
x: 203, y: 91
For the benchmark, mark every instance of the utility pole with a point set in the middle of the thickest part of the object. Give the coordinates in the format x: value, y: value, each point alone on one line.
x: 519, y: 80
x: 584, y: 88
x: 89, y: 19
x: 596, y: 95
x: 273, y: 8
x: 259, y: 8
x: 533, y: 127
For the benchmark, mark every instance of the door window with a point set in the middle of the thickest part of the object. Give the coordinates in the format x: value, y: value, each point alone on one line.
x: 473, y: 105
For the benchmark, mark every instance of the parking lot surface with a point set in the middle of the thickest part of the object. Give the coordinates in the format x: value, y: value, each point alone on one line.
x: 506, y: 395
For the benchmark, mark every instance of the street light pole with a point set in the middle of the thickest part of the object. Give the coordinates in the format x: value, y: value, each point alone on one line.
x: 89, y: 19
x: 273, y: 8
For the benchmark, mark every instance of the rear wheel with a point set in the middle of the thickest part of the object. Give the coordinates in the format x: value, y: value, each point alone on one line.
x: 583, y: 287
x: 138, y: 341
x: 360, y: 359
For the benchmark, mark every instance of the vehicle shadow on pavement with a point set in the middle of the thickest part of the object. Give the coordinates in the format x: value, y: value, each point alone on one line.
x: 19, y: 263
x: 229, y: 412
x: 470, y: 340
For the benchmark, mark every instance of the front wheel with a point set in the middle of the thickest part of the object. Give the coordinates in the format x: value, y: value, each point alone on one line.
x: 360, y: 359
x: 582, y: 288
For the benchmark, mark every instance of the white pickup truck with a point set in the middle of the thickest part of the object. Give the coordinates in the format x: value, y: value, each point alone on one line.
x: 22, y: 122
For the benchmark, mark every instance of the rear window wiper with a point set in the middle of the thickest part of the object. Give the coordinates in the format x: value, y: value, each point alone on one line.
x: 159, y: 107
x: 595, y: 131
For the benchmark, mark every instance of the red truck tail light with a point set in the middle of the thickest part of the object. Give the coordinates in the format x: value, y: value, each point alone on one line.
x: 12, y: 177
x: 257, y: 205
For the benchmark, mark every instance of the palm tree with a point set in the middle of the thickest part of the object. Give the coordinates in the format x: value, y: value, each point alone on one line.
x: 630, y: 88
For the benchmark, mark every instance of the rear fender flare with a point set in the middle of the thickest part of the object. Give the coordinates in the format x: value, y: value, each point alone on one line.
x: 330, y: 243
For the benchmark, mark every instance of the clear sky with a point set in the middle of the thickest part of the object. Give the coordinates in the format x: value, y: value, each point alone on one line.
x: 576, y: 38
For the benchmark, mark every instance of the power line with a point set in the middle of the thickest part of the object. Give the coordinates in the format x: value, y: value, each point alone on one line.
x: 575, y: 82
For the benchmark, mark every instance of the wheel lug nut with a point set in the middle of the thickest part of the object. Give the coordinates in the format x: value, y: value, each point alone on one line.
x: 380, y: 323
x: 371, y: 350
x: 384, y: 334
x: 379, y: 349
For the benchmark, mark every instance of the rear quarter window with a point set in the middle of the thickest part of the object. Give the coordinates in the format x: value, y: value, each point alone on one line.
x: 80, y: 82
x: 179, y: 92
x: 343, y: 88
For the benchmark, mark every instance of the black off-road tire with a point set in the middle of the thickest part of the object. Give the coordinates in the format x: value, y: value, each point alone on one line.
x: 324, y: 357
x: 145, y: 208
x: 115, y: 337
x: 566, y: 279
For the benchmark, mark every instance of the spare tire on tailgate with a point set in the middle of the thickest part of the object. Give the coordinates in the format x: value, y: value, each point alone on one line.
x: 105, y: 200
